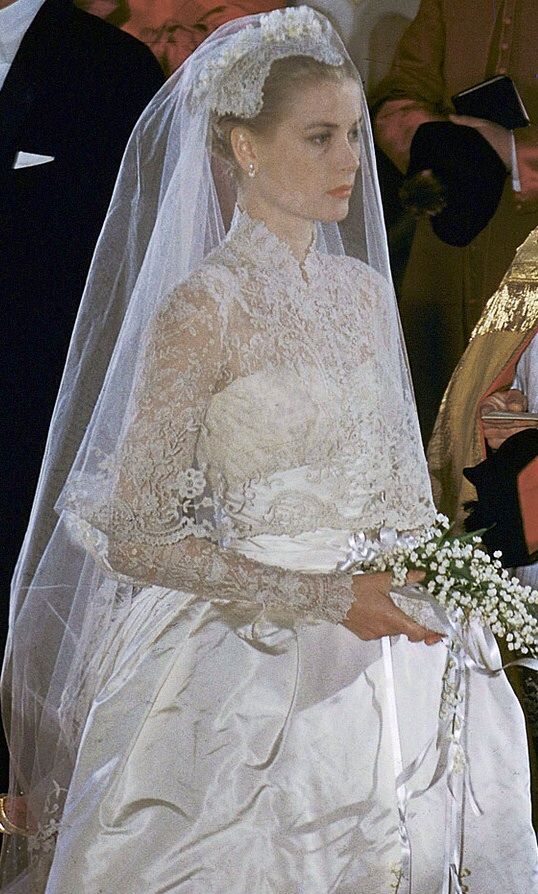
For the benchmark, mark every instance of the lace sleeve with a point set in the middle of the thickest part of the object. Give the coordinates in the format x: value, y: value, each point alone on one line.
x: 163, y: 527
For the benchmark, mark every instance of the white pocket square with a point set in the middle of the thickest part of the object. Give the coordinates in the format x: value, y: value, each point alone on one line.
x: 29, y: 159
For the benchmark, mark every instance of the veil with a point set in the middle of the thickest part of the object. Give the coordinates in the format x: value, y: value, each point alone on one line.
x: 172, y: 205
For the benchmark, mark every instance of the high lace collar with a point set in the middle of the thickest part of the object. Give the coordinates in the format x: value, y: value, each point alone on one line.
x: 252, y: 239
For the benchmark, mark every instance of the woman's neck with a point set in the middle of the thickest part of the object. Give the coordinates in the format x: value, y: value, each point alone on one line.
x: 294, y: 231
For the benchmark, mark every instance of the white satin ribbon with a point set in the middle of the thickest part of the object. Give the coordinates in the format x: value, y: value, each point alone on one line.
x: 365, y: 549
x: 473, y: 650
x: 401, y: 791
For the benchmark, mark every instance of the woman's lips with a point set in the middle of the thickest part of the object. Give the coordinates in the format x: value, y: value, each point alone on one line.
x: 341, y: 192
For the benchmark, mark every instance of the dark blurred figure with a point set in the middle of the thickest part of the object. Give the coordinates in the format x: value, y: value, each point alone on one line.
x: 72, y: 88
x: 399, y: 221
x: 450, y: 46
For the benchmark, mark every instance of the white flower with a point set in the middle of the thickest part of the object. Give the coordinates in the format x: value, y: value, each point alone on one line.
x: 465, y: 580
x: 190, y: 483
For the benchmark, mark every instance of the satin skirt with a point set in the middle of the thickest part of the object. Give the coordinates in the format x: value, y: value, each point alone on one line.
x: 222, y: 758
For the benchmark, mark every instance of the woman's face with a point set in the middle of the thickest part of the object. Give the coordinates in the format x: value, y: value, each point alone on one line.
x: 306, y: 166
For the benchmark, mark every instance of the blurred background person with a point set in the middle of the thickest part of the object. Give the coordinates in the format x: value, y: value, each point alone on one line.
x: 450, y: 46
x: 72, y: 88
x: 371, y: 30
x: 173, y: 28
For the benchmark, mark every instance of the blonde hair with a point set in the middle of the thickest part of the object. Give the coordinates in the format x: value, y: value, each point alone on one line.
x: 286, y: 76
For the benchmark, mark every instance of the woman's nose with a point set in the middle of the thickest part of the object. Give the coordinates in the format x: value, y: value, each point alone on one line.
x: 349, y: 158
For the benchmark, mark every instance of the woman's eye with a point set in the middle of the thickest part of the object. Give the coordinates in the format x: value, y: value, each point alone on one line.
x: 354, y: 135
x: 320, y: 138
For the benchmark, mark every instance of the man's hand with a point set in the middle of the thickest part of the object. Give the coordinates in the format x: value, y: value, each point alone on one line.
x: 513, y: 401
x: 496, y: 431
x: 498, y: 137
x: 374, y: 614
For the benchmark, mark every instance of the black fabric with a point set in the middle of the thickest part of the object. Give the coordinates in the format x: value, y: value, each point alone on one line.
x: 74, y: 91
x: 455, y: 175
x: 497, y: 508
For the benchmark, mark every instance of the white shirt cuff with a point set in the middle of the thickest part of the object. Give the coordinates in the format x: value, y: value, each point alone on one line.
x: 516, y: 182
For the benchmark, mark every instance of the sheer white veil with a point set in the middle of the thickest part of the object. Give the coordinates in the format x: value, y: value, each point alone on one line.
x: 171, y: 206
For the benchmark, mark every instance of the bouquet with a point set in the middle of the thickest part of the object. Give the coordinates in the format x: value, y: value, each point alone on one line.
x: 460, y: 576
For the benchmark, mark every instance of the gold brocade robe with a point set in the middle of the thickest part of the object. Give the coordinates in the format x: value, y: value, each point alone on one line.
x: 507, y: 325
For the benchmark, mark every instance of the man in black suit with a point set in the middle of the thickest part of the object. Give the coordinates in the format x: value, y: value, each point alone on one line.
x: 72, y: 88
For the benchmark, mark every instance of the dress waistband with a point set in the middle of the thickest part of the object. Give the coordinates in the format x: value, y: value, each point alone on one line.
x: 312, y: 551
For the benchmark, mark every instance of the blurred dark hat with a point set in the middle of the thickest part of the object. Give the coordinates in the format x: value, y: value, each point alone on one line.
x: 455, y: 177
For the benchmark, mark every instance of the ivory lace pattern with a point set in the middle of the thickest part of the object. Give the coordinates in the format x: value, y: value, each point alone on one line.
x: 261, y: 408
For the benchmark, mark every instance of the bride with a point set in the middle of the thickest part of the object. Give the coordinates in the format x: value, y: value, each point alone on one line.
x: 200, y: 699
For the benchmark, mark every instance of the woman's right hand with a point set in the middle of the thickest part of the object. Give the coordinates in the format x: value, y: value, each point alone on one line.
x: 374, y: 614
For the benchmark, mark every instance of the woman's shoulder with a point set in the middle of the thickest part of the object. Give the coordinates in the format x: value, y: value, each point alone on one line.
x: 357, y: 274
x: 207, y: 289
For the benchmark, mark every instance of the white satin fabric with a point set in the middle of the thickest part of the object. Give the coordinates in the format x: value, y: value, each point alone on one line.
x: 526, y: 380
x: 223, y: 759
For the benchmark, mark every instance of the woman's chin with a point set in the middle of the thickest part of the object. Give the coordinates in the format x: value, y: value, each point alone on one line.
x: 337, y: 213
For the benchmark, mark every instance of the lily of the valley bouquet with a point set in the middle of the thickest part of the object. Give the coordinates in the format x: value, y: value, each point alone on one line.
x: 461, y: 580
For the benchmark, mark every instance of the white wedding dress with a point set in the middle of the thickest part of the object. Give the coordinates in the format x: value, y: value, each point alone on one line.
x: 239, y: 739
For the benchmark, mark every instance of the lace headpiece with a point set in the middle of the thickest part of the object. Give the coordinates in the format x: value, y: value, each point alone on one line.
x: 233, y: 83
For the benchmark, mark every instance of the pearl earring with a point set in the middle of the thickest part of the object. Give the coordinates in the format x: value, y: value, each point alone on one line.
x: 251, y: 170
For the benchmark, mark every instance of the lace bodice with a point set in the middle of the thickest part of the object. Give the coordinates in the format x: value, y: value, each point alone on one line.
x: 270, y: 402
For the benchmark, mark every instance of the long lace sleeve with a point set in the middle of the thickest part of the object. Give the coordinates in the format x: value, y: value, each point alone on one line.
x: 164, y: 525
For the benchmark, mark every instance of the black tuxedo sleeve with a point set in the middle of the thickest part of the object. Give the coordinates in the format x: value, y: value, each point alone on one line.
x: 118, y: 76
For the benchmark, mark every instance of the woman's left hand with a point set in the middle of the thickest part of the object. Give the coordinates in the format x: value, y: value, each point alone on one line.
x: 374, y: 615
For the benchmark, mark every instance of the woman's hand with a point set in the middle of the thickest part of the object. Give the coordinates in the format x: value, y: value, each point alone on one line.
x: 374, y: 614
x: 498, y: 137
x: 496, y: 431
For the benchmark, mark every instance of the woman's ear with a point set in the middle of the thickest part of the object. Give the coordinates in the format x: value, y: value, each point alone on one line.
x: 245, y: 150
